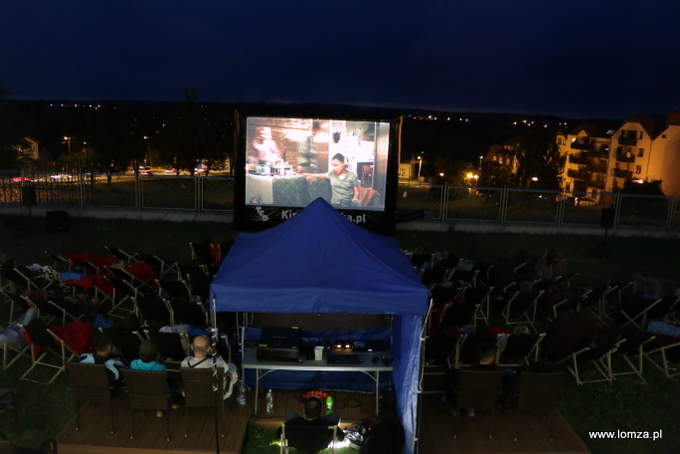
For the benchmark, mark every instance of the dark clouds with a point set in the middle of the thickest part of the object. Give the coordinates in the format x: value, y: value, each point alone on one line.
x: 577, y: 58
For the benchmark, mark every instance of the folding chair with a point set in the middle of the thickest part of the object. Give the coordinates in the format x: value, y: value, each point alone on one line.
x: 174, y: 346
x: 173, y: 289
x: 122, y: 255
x: 55, y: 312
x: 55, y: 350
x: 308, y: 439
x: 200, y: 391
x: 523, y: 307
x: 480, y: 296
x: 147, y: 391
x: 479, y: 390
x: 91, y: 384
x: 538, y: 392
x: 627, y: 352
x: 663, y: 351
x: 17, y: 301
x: 154, y: 310
x: 120, y: 273
x: 519, y: 349
x: 122, y: 293
x: 128, y: 342
x: 599, y: 358
x: 60, y: 260
x: 189, y: 312
x: 167, y: 266
x: 465, y: 354
x: 199, y: 285
x: 643, y: 310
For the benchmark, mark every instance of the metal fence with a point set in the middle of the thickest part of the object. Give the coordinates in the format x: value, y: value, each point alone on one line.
x: 439, y: 203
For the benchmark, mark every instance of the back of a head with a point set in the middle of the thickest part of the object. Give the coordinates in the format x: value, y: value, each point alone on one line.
x: 102, y: 341
x: 487, y: 352
x: 313, y: 407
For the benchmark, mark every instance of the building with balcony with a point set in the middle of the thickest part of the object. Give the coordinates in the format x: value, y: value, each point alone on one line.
x: 586, y: 149
x: 641, y: 150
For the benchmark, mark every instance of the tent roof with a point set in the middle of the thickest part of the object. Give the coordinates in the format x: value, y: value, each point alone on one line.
x: 318, y: 262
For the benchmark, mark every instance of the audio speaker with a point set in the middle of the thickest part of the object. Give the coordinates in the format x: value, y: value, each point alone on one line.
x: 607, y: 218
x: 28, y: 196
x: 57, y: 221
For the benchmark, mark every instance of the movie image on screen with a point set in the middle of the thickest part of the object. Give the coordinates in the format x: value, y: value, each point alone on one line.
x: 292, y: 161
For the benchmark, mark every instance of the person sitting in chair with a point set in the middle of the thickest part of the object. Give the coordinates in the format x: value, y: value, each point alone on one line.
x: 203, y: 358
x: 108, y: 355
x: 313, y: 418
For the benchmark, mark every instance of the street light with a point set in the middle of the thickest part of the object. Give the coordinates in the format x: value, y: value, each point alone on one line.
x: 420, y: 166
x: 68, y: 141
x: 480, y: 162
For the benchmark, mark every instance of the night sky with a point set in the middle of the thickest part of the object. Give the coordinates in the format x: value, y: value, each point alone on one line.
x: 577, y: 58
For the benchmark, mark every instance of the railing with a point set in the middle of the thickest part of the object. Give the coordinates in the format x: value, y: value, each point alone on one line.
x: 625, y: 157
x: 437, y: 203
x: 580, y: 158
x: 581, y: 146
x: 625, y: 174
x: 628, y: 140
x: 578, y: 174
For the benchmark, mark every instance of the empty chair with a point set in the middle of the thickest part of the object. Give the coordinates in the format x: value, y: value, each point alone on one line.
x: 538, y: 392
x: 173, y: 289
x: 600, y: 358
x: 200, y: 391
x: 188, y: 312
x: 122, y: 255
x: 121, y: 297
x: 91, y: 384
x: 661, y: 352
x: 628, y: 359
x: 147, y: 391
x: 154, y: 310
x: 479, y: 390
x: 308, y: 439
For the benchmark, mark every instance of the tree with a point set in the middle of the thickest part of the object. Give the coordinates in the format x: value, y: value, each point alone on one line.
x: 454, y: 171
x: 13, y: 130
x: 182, y: 141
x: 218, y: 142
x: 647, y: 187
x: 495, y: 174
x: 116, y: 139
x: 539, y: 163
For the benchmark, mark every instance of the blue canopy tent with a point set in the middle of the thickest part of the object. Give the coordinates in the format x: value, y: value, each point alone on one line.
x: 320, y: 262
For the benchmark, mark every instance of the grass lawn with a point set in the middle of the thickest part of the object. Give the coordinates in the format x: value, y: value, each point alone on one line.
x: 623, y: 405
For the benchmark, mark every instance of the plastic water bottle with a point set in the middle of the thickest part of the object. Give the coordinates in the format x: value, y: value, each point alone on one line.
x: 329, y: 405
x: 270, y: 403
x: 241, y: 398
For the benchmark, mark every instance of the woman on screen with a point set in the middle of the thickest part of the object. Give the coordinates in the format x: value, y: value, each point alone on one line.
x: 344, y: 183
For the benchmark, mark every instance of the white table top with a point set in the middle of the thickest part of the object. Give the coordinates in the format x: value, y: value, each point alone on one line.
x: 250, y: 361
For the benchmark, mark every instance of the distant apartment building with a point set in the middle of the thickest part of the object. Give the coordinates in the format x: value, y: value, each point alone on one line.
x: 647, y: 147
x: 587, y: 150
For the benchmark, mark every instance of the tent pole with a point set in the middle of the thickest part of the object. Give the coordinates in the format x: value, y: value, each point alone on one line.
x: 216, y: 383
